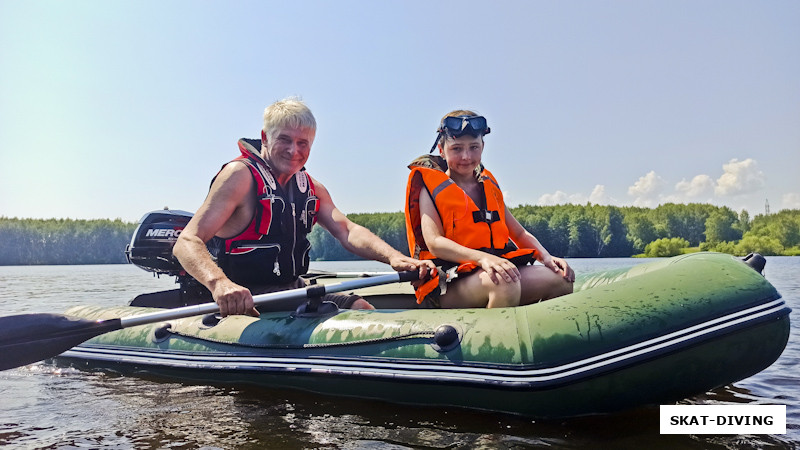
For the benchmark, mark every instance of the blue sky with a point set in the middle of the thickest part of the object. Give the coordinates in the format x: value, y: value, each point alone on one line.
x: 112, y: 109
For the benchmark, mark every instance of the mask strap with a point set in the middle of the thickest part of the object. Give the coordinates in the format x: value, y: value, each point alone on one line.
x: 438, y: 136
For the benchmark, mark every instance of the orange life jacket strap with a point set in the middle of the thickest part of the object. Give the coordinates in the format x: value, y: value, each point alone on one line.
x: 427, y: 288
x: 519, y: 253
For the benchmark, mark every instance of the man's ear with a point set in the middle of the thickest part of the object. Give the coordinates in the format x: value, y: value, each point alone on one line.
x: 263, y: 138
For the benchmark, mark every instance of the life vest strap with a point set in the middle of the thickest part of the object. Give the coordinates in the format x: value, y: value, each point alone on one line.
x: 485, y: 216
x: 442, y: 186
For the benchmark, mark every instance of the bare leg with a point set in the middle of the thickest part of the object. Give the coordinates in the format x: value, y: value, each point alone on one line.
x: 477, y: 290
x: 540, y: 283
x: 361, y: 304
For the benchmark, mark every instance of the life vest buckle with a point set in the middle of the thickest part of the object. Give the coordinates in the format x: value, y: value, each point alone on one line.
x: 485, y: 216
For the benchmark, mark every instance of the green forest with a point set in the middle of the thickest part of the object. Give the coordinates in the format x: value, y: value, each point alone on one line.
x: 572, y: 231
x: 63, y: 241
x: 596, y: 231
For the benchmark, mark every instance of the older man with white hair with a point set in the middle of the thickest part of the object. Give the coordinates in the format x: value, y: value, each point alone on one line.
x: 250, y: 235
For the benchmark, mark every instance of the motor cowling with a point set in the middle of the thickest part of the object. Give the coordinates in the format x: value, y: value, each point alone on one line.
x: 151, y: 245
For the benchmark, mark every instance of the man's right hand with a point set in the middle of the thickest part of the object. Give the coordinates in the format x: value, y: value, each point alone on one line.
x: 233, y: 299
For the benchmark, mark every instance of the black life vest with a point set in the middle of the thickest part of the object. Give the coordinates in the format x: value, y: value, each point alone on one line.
x: 274, y: 247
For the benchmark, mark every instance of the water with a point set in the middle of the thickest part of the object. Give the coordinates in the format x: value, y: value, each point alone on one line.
x: 44, y: 406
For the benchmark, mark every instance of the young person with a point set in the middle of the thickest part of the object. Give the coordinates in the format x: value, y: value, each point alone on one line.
x: 456, y: 217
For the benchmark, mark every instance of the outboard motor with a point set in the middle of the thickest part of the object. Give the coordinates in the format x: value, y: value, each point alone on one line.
x: 151, y: 249
x: 151, y: 245
x: 756, y: 261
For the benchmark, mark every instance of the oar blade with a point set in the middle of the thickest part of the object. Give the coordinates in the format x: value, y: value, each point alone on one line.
x: 28, y: 338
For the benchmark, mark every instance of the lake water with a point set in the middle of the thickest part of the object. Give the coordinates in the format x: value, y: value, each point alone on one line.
x: 44, y: 406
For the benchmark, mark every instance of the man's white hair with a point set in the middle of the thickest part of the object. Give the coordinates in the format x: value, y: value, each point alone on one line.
x: 290, y: 112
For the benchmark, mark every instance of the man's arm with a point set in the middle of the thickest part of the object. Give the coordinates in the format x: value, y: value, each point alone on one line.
x: 224, y: 199
x: 359, y: 240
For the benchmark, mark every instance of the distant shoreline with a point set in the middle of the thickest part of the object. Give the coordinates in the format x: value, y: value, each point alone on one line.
x: 572, y: 231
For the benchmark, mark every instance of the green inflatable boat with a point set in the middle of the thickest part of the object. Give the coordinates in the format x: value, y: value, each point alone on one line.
x: 656, y: 333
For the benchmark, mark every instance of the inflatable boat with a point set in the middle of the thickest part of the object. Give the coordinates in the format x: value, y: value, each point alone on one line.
x: 654, y: 333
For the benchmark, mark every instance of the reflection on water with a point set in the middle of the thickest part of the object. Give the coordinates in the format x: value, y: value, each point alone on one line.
x: 45, y: 406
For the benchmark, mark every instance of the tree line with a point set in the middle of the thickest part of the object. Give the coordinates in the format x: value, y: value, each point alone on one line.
x: 63, y: 241
x: 565, y: 230
x: 599, y: 231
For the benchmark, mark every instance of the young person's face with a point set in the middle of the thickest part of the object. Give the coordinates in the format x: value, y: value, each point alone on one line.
x: 463, y: 154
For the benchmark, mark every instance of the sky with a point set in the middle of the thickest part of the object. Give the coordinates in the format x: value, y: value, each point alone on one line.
x: 112, y: 109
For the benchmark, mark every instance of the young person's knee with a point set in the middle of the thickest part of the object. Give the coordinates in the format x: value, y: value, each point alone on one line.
x: 501, y: 300
x: 558, y: 286
x: 503, y: 295
x: 541, y: 283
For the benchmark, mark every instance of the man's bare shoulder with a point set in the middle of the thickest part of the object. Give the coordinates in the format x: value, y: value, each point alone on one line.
x: 320, y: 188
x: 315, y: 181
x: 234, y: 178
x: 229, y: 205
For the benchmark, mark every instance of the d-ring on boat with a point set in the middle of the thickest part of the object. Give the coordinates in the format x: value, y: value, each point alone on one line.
x: 655, y: 333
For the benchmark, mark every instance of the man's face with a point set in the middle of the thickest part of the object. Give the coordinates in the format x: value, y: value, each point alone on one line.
x: 288, y: 152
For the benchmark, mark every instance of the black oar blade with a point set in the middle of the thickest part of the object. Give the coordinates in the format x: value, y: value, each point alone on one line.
x: 28, y: 338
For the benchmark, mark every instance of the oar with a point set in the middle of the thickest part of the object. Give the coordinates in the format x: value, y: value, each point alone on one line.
x: 314, y: 274
x: 27, y: 338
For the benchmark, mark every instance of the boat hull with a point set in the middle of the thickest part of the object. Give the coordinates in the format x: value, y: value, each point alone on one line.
x: 652, y: 334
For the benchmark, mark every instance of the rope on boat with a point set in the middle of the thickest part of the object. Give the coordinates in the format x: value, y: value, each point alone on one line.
x: 416, y: 334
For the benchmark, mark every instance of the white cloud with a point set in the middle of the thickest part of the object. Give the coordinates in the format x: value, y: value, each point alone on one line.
x: 597, y: 197
x: 647, y: 190
x: 701, y: 185
x: 558, y: 198
x: 647, y: 185
x: 790, y: 201
x: 738, y: 185
x: 740, y: 177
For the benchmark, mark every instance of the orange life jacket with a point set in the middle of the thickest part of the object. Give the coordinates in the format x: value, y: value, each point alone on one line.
x: 481, y: 227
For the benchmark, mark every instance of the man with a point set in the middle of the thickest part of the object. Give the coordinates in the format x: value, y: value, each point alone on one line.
x: 258, y: 213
